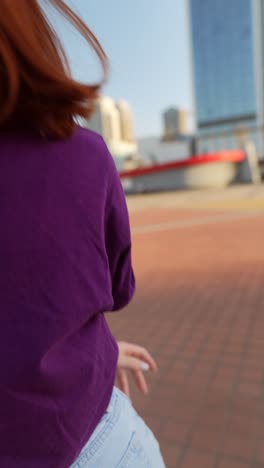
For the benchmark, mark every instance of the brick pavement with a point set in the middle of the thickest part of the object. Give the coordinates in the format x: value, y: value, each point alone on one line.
x: 199, y: 308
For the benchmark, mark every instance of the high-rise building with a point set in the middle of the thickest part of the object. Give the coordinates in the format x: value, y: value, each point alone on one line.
x: 228, y: 57
x: 126, y: 121
x: 106, y: 120
x: 175, y: 123
x: 115, y: 123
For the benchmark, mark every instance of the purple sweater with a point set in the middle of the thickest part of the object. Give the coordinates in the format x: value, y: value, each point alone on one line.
x: 65, y: 253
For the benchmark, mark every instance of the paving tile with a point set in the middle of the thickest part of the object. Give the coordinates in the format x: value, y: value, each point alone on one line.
x: 207, y: 439
x: 239, y: 446
x: 252, y: 427
x: 260, y: 455
x: 214, y: 418
x: 229, y: 463
x: 176, y: 432
x: 253, y: 389
x: 195, y: 459
x: 171, y: 455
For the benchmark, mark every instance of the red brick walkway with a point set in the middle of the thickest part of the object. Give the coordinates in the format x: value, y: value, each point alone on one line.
x: 200, y: 309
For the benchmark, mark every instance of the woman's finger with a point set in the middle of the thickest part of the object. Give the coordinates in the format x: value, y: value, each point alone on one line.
x: 131, y: 363
x: 123, y: 382
x: 141, y: 382
x: 129, y: 349
x: 144, y: 355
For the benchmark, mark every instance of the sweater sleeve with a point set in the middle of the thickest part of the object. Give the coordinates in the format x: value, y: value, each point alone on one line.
x: 118, y: 240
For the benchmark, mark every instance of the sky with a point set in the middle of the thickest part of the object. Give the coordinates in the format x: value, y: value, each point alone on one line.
x: 147, y: 42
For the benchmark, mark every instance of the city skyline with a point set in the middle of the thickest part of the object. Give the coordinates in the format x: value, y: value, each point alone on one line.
x: 148, y: 47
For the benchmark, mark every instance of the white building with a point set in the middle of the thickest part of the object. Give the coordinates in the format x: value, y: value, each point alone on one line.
x: 126, y: 121
x: 115, y: 123
x: 106, y: 120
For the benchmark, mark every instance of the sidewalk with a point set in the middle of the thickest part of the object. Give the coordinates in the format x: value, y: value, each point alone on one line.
x: 199, y: 261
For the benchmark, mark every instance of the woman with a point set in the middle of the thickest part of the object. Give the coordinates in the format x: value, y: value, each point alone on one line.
x: 65, y: 260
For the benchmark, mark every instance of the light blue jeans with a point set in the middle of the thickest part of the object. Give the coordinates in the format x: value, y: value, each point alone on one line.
x: 121, y: 440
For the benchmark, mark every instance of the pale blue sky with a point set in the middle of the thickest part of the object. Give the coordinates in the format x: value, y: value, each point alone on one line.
x: 147, y: 43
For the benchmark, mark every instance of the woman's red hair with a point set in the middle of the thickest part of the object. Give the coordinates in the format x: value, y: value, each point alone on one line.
x: 36, y: 87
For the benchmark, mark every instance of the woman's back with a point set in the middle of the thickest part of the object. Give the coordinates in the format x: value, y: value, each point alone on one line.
x: 65, y: 259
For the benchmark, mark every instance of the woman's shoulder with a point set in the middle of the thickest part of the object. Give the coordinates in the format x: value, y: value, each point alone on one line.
x: 87, y: 137
x: 88, y: 155
x: 83, y: 141
x: 90, y: 144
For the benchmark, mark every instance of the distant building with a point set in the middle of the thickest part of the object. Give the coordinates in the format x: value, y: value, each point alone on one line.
x: 106, y: 120
x: 115, y: 123
x: 228, y: 73
x: 126, y: 121
x: 175, y: 123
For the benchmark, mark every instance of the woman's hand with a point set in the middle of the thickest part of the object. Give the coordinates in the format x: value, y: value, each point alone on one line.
x: 137, y: 360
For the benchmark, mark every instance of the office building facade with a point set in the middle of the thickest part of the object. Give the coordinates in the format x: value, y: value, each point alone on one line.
x: 227, y: 41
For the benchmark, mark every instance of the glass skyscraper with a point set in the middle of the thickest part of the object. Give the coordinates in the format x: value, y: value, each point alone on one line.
x: 224, y: 68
